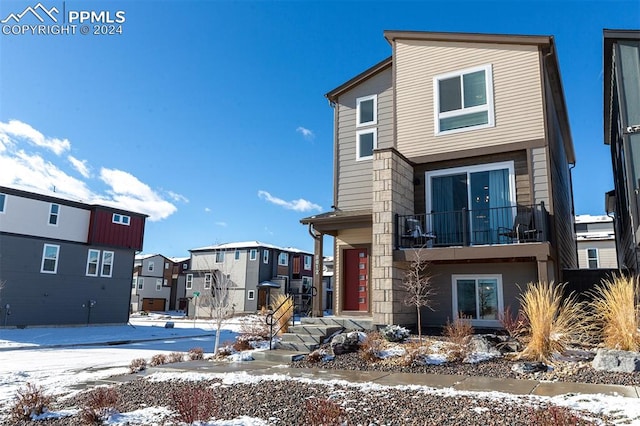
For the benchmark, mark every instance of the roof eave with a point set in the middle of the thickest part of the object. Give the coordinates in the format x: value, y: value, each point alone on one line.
x: 366, y: 74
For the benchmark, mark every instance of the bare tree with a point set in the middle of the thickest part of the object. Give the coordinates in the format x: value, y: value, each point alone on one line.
x: 417, y: 283
x: 219, y: 301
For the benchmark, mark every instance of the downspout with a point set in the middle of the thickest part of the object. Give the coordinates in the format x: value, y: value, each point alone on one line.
x: 573, y: 214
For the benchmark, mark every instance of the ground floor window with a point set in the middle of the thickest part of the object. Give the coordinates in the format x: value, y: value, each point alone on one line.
x: 478, y: 297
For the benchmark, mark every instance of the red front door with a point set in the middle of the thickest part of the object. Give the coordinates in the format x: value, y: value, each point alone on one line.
x: 356, y: 279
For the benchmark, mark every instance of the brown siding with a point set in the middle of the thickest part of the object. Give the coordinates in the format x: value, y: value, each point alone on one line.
x: 517, y: 94
x: 102, y: 230
x: 354, y: 186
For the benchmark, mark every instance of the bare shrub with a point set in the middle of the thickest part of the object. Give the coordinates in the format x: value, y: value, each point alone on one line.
x: 315, y: 357
x: 101, y: 403
x: 284, y: 312
x: 557, y: 416
x: 137, y: 365
x: 194, y: 404
x: 30, y: 401
x: 555, y: 320
x: 459, y: 333
x: 323, y: 412
x: 258, y: 327
x: 413, y: 353
x: 371, y: 347
x: 195, y: 354
x: 158, y: 359
x: 616, y: 313
x: 225, y: 350
x: 242, y: 343
x: 175, y: 357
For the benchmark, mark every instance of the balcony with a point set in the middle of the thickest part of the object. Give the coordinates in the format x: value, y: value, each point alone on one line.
x: 476, y: 227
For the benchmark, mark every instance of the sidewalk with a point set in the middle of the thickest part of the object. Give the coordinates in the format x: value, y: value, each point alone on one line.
x: 437, y: 381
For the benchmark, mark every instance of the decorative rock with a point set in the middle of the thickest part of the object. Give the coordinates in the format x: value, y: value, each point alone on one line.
x: 482, y: 344
x: 169, y: 324
x: 345, y: 343
x: 616, y: 361
x: 529, y: 367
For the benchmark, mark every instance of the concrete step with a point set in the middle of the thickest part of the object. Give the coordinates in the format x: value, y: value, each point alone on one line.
x: 301, y: 338
x: 314, y: 330
x: 298, y: 346
x: 348, y: 323
x: 279, y: 355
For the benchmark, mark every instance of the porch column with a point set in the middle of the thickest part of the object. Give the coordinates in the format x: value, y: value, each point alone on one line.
x: 318, y: 264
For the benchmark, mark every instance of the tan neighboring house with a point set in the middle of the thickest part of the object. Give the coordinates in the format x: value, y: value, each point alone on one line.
x: 596, y: 242
x: 457, y: 146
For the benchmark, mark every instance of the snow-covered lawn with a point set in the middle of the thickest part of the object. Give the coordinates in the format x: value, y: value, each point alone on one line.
x: 58, y: 358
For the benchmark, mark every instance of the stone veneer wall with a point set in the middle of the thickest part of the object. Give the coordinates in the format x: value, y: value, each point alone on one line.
x: 392, y: 194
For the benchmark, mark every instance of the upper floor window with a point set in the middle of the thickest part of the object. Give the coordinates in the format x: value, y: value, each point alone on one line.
x: 219, y: 256
x: 150, y: 266
x: 50, y: 254
x: 592, y: 258
x: 265, y: 256
x: 189, y: 281
x: 366, y: 142
x: 463, y: 100
x: 237, y: 255
x: 133, y: 283
x: 185, y: 266
x: 54, y: 210
x: 121, y: 219
x: 93, y: 257
x: 140, y: 283
x: 107, y: 263
x: 283, y: 259
x: 3, y: 198
x: 166, y: 265
x: 367, y: 110
x: 307, y: 262
x: 253, y: 254
x: 207, y: 281
x: 158, y: 284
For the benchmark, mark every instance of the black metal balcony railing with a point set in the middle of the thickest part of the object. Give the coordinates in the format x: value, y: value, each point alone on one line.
x: 500, y: 225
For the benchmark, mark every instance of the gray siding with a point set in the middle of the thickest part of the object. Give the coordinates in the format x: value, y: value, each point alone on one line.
x: 58, y: 299
x: 354, y: 187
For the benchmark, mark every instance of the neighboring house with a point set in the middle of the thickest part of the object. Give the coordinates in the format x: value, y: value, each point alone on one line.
x: 622, y: 134
x: 327, y: 284
x: 178, y: 299
x: 151, y: 285
x: 246, y: 265
x: 596, y: 242
x: 460, y: 144
x: 63, y: 261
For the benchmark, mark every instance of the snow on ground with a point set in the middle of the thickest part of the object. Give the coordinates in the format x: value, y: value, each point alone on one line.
x: 58, y: 358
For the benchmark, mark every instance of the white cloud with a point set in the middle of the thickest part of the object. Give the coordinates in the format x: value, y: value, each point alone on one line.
x: 79, y: 165
x: 223, y: 224
x: 306, y: 133
x: 23, y: 163
x: 207, y: 210
x: 299, y: 205
x: 177, y: 197
x: 17, y: 129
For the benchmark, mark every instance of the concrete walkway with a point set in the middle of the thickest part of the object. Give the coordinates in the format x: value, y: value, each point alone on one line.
x: 438, y: 381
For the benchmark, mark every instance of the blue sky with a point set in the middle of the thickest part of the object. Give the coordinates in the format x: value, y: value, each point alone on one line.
x: 210, y: 116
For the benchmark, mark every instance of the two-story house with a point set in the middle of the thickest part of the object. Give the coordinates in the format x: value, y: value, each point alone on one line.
x: 64, y: 261
x: 622, y: 133
x: 456, y: 148
x: 245, y: 265
x: 596, y: 242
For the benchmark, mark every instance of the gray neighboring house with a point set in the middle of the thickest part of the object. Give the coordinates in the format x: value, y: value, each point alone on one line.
x: 151, y: 285
x: 247, y: 264
x: 327, y: 284
x: 622, y: 133
x: 596, y: 242
x: 65, y: 262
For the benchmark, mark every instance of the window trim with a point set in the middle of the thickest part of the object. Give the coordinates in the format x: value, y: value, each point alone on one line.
x: 285, y: 256
x: 373, y: 97
x: 188, y: 284
x: 110, y: 274
x: 158, y: 284
x: 54, y: 215
x: 236, y: 255
x: 251, y: 295
x: 372, y: 130
x: 140, y: 283
x: 208, y: 279
x: 3, y: 203
x: 57, y: 258
x: 97, y: 263
x: 253, y: 254
x: 219, y: 257
x: 308, y: 266
x: 120, y: 219
x: 476, y: 277
x: 150, y: 266
x: 265, y: 256
x: 589, y: 259
x: 489, y: 106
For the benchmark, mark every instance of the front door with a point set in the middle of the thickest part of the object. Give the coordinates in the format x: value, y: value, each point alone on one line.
x: 356, y: 279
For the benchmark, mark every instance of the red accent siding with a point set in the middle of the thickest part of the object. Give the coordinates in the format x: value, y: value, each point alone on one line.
x: 103, y: 231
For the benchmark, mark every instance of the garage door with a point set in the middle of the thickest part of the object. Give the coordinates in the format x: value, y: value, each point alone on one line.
x: 153, y: 304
